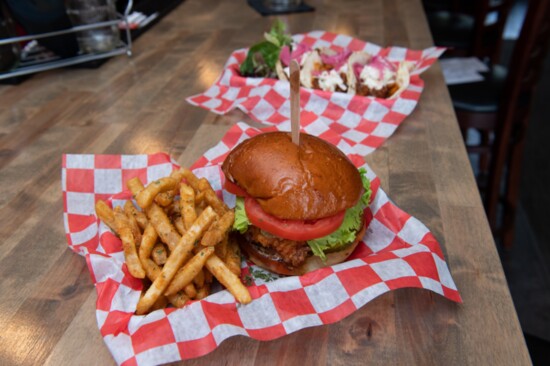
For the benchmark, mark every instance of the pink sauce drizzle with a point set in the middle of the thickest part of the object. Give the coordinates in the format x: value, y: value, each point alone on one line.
x: 381, y: 63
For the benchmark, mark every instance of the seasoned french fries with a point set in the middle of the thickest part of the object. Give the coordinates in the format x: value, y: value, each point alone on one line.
x: 139, y: 216
x: 221, y: 248
x: 179, y: 300
x: 178, y: 256
x: 199, y: 199
x: 190, y: 178
x: 159, y: 254
x: 233, y: 257
x: 165, y: 198
x: 204, y: 185
x: 135, y: 186
x: 146, y: 197
x: 219, y: 207
x: 189, y: 271
x: 148, y: 240
x: 211, y: 198
x: 203, y: 291
x: 180, y: 226
x: 178, y: 175
x: 187, y: 205
x: 160, y: 303
x: 128, y: 244
x: 177, y: 240
x: 153, y: 271
x: 219, y: 229
x: 105, y: 214
x: 228, y: 279
x: 190, y: 290
x: 163, y: 226
x: 134, y: 226
x: 199, y: 279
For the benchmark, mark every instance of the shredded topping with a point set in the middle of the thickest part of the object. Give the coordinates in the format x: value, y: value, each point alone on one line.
x: 330, y: 80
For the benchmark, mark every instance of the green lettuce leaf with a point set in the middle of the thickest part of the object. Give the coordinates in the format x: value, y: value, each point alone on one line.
x: 262, y: 57
x: 277, y: 35
x: 345, y: 234
x: 261, y: 60
x: 347, y: 231
x: 241, y: 222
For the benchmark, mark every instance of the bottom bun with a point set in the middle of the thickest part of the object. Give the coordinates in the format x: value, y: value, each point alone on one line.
x: 273, y: 263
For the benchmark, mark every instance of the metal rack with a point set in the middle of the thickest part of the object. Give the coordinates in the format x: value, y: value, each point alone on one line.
x: 122, y: 47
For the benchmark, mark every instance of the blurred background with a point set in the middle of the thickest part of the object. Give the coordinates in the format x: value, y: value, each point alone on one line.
x: 521, y: 216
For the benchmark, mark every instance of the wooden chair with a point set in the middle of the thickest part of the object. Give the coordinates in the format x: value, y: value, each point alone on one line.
x: 499, y: 108
x: 470, y: 28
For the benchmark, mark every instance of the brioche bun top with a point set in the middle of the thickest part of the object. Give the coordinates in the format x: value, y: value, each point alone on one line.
x: 305, y: 182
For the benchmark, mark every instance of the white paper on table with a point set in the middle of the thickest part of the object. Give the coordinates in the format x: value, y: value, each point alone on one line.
x: 462, y: 70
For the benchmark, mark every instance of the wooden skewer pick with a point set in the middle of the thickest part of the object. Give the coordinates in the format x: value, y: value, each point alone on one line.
x: 295, y: 101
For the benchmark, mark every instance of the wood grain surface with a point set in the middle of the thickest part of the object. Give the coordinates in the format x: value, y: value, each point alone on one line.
x: 136, y: 105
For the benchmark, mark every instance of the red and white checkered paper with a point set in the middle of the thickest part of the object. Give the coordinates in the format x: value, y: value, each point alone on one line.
x: 363, y: 121
x: 397, y: 251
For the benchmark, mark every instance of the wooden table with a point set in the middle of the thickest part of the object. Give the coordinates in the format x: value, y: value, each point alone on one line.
x: 136, y: 105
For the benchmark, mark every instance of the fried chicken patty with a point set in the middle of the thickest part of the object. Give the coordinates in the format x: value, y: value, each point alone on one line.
x: 292, y: 252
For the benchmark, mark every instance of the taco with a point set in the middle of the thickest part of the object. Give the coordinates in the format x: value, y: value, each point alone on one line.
x: 325, y: 69
x: 376, y: 76
x: 299, y: 53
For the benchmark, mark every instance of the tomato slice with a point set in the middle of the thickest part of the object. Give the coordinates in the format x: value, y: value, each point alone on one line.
x: 291, y: 229
x: 233, y: 188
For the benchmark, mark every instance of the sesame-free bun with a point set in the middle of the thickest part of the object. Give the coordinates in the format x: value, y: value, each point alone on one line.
x: 306, y: 182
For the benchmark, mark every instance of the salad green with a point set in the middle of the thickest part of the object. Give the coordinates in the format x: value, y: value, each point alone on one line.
x: 262, y: 57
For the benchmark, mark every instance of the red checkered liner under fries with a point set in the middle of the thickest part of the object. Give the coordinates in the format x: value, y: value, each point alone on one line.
x: 364, y: 122
x: 397, y: 251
